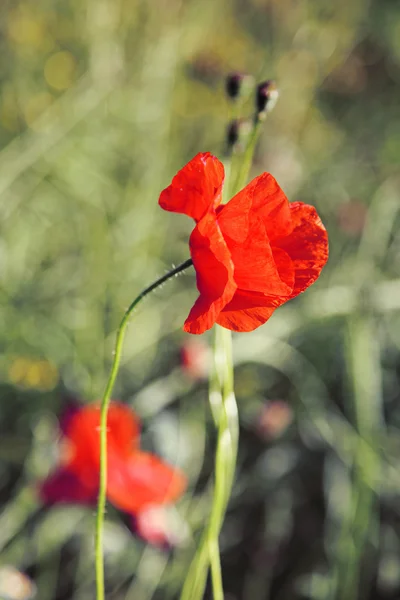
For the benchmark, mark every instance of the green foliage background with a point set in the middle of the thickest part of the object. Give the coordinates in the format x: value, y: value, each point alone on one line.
x: 101, y: 101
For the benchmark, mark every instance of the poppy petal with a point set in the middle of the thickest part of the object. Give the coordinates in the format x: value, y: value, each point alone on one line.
x: 83, y: 436
x: 203, y: 314
x: 143, y: 480
x: 71, y: 407
x: 196, y: 188
x: 214, y: 274
x: 285, y: 267
x: 151, y: 524
x: 63, y: 486
x: 254, y: 265
x: 234, y: 217
x: 307, y: 245
x: 123, y: 427
x: 248, y: 310
x: 269, y: 203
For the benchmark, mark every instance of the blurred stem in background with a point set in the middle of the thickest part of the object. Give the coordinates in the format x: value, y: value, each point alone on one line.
x: 357, y: 526
x: 99, y: 558
x: 364, y: 360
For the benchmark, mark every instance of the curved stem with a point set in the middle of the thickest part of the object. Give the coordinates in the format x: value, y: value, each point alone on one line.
x: 101, y: 504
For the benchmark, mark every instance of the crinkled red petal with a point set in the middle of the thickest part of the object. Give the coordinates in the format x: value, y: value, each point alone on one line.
x: 196, y: 188
x: 214, y: 274
x: 143, y: 480
x: 269, y: 203
x: 285, y: 267
x: 234, y: 217
x: 248, y: 310
x: 307, y: 245
x: 254, y: 264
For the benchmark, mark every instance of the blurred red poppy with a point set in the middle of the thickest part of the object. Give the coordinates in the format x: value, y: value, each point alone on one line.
x: 195, y: 358
x: 136, y: 480
x: 160, y: 527
x: 250, y: 255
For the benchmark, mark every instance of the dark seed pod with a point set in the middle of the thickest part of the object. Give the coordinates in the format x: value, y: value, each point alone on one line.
x: 237, y: 133
x: 266, y: 97
x: 237, y: 84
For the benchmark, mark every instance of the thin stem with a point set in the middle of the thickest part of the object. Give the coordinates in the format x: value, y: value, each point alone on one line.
x: 244, y: 169
x: 225, y: 414
x: 224, y: 410
x: 101, y: 504
x: 216, y: 575
x: 225, y: 460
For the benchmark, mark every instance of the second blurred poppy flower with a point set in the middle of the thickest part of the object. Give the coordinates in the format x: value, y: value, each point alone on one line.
x: 160, y: 526
x: 136, y: 480
x: 195, y: 359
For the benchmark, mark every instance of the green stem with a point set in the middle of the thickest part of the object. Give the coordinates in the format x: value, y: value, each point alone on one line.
x: 367, y: 393
x: 216, y: 575
x: 245, y: 165
x: 224, y: 410
x: 225, y: 414
x: 226, y: 454
x: 101, y: 504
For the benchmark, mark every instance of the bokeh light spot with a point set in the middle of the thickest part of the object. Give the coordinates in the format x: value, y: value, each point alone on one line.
x: 59, y: 70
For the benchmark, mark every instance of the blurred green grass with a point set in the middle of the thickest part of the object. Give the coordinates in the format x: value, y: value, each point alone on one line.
x: 100, y: 103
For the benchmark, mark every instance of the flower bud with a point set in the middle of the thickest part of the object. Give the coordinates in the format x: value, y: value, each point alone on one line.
x: 237, y: 133
x: 266, y: 97
x: 237, y: 84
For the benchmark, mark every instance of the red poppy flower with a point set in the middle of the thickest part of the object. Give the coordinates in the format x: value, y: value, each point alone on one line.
x: 195, y: 359
x: 136, y: 480
x: 160, y: 527
x: 250, y: 255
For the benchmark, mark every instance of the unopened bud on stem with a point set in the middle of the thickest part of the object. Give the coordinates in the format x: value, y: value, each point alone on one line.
x: 238, y: 85
x: 266, y: 97
x: 237, y: 133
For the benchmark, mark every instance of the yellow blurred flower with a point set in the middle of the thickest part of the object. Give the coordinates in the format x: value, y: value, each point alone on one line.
x: 33, y: 373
